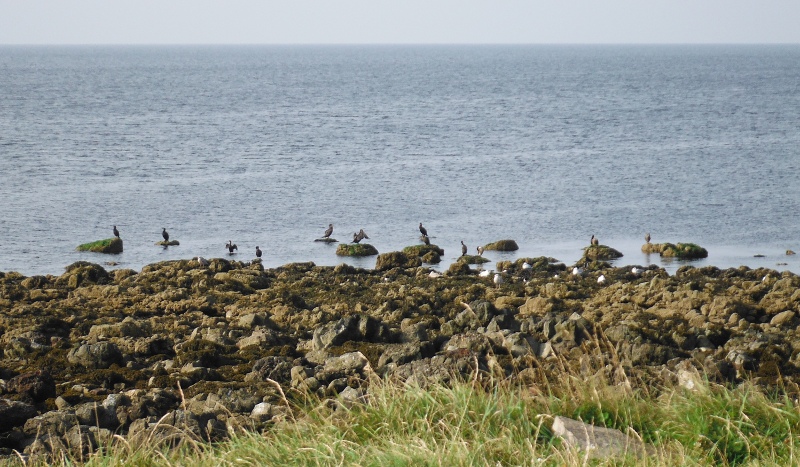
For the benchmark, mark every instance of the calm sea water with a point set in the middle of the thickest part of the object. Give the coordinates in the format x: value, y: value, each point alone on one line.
x: 267, y: 145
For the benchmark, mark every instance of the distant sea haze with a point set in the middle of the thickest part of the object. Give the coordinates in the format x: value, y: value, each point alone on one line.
x: 546, y: 145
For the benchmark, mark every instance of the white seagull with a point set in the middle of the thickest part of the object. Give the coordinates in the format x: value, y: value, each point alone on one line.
x: 601, y: 279
x: 498, y: 279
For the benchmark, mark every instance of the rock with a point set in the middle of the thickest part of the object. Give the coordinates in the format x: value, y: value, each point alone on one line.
x: 790, y: 253
x: 37, y: 385
x: 349, y: 364
x: 782, y: 318
x: 83, y: 273
x: 652, y: 247
x: 472, y: 259
x: 109, y: 246
x: 683, y: 251
x: 502, y: 245
x: 430, y: 254
x: 327, y: 240
x: 599, y: 253
x: 356, y: 249
x: 460, y: 269
x: 396, y: 259
x: 350, y: 328
x: 598, y: 442
x: 99, y: 355
x: 14, y: 414
x: 262, y: 412
x: 168, y: 243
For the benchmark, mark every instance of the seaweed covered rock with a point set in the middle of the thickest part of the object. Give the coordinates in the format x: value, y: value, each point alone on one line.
x: 108, y: 246
x: 472, y: 259
x: 430, y: 254
x: 502, y: 245
x: 356, y: 249
x: 600, y: 253
x: 81, y: 273
x: 683, y: 251
x: 168, y: 243
x: 396, y: 259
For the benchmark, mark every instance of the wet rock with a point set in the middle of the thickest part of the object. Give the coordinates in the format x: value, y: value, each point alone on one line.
x: 396, y: 259
x: 599, y: 253
x: 109, y: 246
x: 502, y: 245
x: 683, y: 250
x: 430, y: 254
x: 356, y: 249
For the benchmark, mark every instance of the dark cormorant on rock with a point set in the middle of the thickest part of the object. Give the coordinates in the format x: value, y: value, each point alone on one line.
x: 231, y: 246
x: 328, y: 231
x: 463, y: 248
x: 423, y: 230
x: 426, y: 240
x: 362, y: 234
x: 480, y: 251
x: 595, y: 241
x: 647, y: 237
x: 116, y: 232
x: 165, y: 234
x: 356, y: 237
x: 258, y: 252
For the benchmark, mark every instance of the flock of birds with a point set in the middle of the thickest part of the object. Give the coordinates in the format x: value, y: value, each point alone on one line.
x: 361, y: 235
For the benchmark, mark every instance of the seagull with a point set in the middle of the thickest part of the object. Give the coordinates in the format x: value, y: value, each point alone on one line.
x: 201, y: 260
x: 498, y: 279
x: 434, y: 275
x: 116, y: 232
x: 328, y: 231
x: 601, y: 279
x: 526, y: 266
x: 231, y: 246
x: 595, y: 241
x: 576, y: 271
x: 636, y: 271
x: 647, y: 237
x: 423, y: 230
x: 480, y: 250
x: 463, y: 248
x: 485, y: 273
x: 258, y: 252
x: 165, y: 234
x: 426, y: 240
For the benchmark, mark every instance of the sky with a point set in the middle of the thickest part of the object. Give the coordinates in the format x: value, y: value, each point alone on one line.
x: 399, y: 21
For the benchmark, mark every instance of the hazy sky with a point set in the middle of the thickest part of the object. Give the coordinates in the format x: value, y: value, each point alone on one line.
x: 398, y: 21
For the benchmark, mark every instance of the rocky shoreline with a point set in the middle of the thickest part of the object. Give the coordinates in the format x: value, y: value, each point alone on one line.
x: 182, y: 349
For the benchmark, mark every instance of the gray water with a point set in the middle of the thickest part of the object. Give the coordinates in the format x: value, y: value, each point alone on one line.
x: 265, y: 146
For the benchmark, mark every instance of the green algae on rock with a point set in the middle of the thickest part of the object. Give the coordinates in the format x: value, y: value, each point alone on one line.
x: 108, y: 246
x: 356, y: 249
x: 502, y: 245
x: 683, y: 250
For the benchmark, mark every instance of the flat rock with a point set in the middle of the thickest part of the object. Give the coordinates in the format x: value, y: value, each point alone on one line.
x: 356, y: 249
x: 327, y: 240
x: 169, y: 243
x: 598, y: 442
x: 502, y: 245
x: 108, y: 246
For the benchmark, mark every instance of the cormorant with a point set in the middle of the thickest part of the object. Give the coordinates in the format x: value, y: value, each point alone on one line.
x: 258, y: 252
x: 426, y: 240
x: 328, y: 231
x: 595, y: 241
x: 647, y: 237
x: 231, y: 246
x: 423, y: 230
x: 165, y: 234
x: 356, y: 237
x: 463, y: 248
x: 116, y: 232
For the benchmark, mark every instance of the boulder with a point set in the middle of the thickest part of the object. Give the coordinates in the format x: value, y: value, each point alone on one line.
x: 502, y: 245
x: 109, y: 246
x: 356, y: 249
x: 36, y: 385
x: 683, y: 251
x: 598, y: 442
x: 168, y: 243
x: 472, y: 259
x: 396, y: 259
x: 600, y: 253
x: 100, y: 355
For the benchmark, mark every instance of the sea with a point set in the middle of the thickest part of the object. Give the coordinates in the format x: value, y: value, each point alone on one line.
x: 267, y: 145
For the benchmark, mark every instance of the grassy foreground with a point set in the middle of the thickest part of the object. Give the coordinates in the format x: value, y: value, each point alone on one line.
x: 501, y: 424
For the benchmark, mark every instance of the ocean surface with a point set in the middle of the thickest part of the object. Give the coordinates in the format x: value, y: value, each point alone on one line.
x: 267, y: 145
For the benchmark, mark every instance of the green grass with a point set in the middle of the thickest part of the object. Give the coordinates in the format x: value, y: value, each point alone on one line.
x: 108, y: 245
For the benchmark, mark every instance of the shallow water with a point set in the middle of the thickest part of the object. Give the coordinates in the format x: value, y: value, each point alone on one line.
x: 267, y: 145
